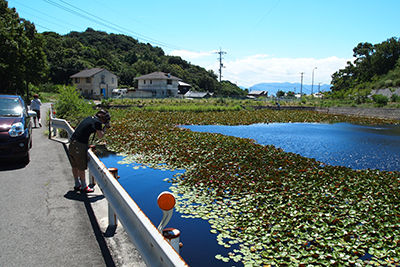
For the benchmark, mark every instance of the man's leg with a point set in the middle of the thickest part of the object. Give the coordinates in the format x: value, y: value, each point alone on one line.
x: 75, y: 173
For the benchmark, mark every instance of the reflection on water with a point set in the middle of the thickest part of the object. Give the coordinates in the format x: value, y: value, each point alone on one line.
x: 358, y: 147
x: 144, y: 185
x: 341, y: 144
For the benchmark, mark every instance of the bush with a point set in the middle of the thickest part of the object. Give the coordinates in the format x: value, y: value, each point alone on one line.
x: 71, y: 106
x: 388, y: 83
x: 380, y: 100
x: 395, y: 98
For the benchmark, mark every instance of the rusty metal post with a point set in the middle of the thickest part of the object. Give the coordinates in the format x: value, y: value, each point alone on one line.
x: 91, y: 177
x: 112, y: 217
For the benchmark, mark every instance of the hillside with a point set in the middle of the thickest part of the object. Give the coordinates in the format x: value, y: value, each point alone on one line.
x: 125, y: 57
x: 376, y: 66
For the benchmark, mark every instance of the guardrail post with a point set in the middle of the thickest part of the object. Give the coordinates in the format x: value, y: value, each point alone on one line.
x: 52, y: 115
x: 112, y: 217
x: 91, y: 176
x: 166, y: 201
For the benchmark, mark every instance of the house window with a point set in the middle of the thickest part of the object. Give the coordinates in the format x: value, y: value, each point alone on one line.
x: 151, y: 82
x: 169, y: 81
x: 144, y: 81
x: 103, y: 78
x: 112, y: 80
x: 88, y: 80
x: 76, y: 80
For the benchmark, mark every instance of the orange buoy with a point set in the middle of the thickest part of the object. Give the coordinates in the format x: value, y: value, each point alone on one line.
x: 166, y: 201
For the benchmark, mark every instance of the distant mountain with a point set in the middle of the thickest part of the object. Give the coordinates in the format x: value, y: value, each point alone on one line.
x: 272, y: 88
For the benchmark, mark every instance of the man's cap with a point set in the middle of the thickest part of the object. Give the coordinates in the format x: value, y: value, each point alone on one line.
x: 104, y: 115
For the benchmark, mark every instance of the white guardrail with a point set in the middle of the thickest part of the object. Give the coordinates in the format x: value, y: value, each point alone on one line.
x: 154, y: 248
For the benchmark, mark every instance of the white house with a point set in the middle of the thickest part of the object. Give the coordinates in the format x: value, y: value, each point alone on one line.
x: 95, y: 83
x: 160, y: 84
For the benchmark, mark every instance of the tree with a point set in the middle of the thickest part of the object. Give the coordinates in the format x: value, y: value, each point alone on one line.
x: 22, y: 60
x: 230, y: 89
x: 290, y: 94
x: 372, y: 63
x: 280, y: 93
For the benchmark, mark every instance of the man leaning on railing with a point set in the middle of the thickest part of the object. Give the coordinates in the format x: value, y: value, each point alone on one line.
x: 79, y: 144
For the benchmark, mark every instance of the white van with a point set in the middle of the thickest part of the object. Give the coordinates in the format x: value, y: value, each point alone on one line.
x: 119, y: 93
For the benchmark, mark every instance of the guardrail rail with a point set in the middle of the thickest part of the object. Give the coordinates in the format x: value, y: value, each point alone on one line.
x: 154, y: 248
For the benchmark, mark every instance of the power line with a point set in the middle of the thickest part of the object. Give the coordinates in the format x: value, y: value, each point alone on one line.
x: 101, y: 21
x: 41, y: 26
x: 53, y: 19
x: 220, y: 52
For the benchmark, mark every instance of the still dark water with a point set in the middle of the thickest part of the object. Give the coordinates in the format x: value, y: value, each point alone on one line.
x: 144, y: 185
x: 358, y: 147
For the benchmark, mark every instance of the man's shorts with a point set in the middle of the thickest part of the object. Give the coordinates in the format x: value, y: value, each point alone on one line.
x: 78, y: 155
x: 37, y: 113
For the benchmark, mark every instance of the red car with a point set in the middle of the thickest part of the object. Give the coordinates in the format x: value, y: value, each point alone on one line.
x: 15, y: 128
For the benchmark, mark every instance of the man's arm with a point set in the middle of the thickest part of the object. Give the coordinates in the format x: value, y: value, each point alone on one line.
x: 100, y: 133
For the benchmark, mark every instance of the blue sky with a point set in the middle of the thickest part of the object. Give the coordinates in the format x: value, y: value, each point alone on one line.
x: 265, y: 40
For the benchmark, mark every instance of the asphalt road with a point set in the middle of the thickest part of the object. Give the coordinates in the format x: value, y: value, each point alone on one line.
x: 42, y: 221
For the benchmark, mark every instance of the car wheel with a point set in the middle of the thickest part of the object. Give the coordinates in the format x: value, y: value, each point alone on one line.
x: 26, y: 159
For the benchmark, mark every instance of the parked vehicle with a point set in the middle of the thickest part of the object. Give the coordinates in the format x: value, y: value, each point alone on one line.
x: 15, y: 128
x: 119, y: 93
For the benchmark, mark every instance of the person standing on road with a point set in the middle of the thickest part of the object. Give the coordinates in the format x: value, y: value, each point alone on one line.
x: 79, y: 144
x: 35, y: 106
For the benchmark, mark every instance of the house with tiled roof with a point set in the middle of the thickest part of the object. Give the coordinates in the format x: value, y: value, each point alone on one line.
x: 159, y: 84
x: 95, y: 83
x: 256, y: 94
x: 193, y: 94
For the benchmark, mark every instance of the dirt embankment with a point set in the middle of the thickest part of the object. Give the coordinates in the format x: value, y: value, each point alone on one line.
x: 385, y: 113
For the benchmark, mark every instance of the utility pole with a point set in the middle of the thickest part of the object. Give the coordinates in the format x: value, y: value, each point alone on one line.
x: 312, y: 83
x: 220, y: 52
x: 301, y: 85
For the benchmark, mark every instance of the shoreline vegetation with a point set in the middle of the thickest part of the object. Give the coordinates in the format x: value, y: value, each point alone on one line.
x: 264, y: 205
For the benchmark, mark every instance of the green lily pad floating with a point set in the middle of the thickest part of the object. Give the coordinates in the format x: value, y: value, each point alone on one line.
x: 276, y: 207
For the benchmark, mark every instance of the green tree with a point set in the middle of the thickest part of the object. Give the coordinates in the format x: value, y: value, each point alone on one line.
x: 290, y: 94
x: 280, y: 93
x: 230, y: 89
x: 371, y: 65
x: 22, y: 60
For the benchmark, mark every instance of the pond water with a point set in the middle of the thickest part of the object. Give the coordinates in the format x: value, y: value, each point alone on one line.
x: 355, y: 146
x: 144, y: 185
x: 340, y: 144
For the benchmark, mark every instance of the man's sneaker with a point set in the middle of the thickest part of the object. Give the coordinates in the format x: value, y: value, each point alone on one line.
x: 88, y: 190
x: 77, y: 188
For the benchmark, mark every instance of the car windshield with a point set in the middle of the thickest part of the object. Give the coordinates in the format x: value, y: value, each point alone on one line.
x: 10, y: 107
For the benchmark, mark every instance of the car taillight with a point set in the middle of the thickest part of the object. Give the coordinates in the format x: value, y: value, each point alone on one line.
x: 17, y: 129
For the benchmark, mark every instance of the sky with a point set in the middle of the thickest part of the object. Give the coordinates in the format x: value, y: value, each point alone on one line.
x: 262, y: 40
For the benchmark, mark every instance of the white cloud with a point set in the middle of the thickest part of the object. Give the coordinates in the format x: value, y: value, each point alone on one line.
x: 261, y: 68
x: 191, y: 55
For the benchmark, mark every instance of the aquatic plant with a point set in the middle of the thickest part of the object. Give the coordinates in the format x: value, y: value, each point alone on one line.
x: 264, y: 205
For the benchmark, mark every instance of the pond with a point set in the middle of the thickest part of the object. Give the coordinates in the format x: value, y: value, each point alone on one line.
x: 144, y: 185
x: 358, y: 147
x: 340, y: 144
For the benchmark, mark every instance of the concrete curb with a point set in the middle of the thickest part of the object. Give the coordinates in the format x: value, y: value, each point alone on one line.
x: 123, y: 251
